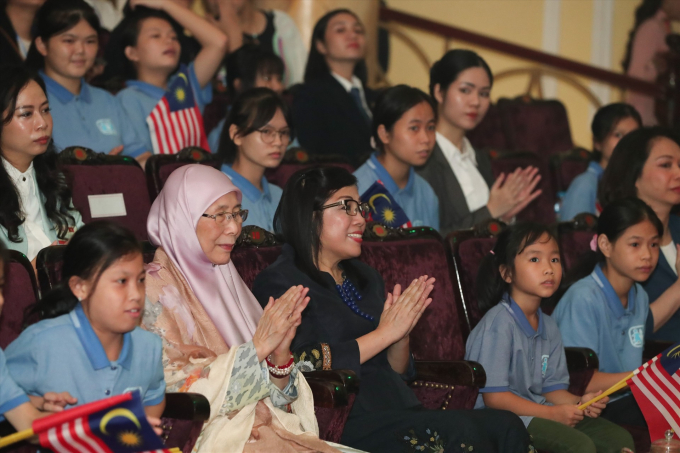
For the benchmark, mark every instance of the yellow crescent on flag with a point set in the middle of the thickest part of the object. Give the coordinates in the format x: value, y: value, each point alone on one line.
x: 674, y: 352
x: 120, y: 412
x: 378, y: 195
x: 184, y: 77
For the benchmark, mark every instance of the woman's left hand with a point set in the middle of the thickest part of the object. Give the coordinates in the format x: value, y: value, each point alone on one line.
x: 154, y: 4
x: 595, y: 409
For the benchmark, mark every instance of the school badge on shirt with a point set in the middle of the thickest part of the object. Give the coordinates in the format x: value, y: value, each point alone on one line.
x: 636, y: 334
x: 105, y: 126
x: 544, y: 364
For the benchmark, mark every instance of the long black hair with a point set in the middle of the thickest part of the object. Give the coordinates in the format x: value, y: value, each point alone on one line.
x: 50, y: 178
x: 512, y: 241
x: 316, y: 62
x: 606, y: 119
x: 56, y: 17
x: 298, y: 221
x: 251, y: 111
x: 647, y: 9
x: 628, y: 159
x: 391, y: 105
x: 445, y: 71
x: 91, y: 250
x: 249, y: 61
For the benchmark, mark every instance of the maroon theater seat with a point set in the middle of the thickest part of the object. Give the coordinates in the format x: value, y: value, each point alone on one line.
x: 21, y: 291
x: 574, y: 239
x: 159, y: 167
x: 297, y: 159
x: 566, y: 166
x: 542, y: 209
x: 489, y: 133
x: 93, y: 174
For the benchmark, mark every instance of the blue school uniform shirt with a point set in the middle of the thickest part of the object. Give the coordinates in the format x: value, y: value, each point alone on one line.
x: 65, y: 354
x: 517, y: 358
x: 11, y: 395
x: 661, y: 279
x: 582, y: 193
x: 139, y: 98
x: 262, y: 205
x: 590, y: 315
x: 417, y: 199
x: 93, y: 119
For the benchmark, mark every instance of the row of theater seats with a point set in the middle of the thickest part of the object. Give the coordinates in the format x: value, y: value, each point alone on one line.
x: 445, y: 381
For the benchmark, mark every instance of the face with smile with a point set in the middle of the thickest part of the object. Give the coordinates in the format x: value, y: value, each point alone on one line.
x: 466, y: 101
x: 537, y: 271
x: 412, y: 137
x: 341, y: 233
x: 635, y: 253
x: 659, y: 181
x: 28, y: 133
x: 157, y: 48
x: 622, y: 128
x: 69, y: 55
x: 344, y: 40
x: 114, y: 301
x: 217, y: 240
x: 254, y: 147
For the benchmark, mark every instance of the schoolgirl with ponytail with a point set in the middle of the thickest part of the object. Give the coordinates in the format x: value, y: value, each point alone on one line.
x: 521, y: 349
x: 92, y: 345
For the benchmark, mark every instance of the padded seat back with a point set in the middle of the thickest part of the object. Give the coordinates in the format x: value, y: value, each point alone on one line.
x: 568, y: 165
x: 298, y: 159
x: 574, y: 239
x: 402, y: 255
x: 256, y: 248
x: 489, y: 133
x: 100, y: 174
x: 159, y: 167
x: 21, y: 291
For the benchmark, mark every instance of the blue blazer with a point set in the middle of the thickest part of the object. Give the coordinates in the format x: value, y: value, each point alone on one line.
x: 49, y: 228
x: 660, y: 280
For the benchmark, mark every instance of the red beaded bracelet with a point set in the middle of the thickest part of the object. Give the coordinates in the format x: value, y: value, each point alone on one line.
x: 280, y: 371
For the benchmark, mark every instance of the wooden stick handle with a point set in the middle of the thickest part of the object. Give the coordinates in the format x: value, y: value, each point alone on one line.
x: 613, y: 389
x: 16, y: 437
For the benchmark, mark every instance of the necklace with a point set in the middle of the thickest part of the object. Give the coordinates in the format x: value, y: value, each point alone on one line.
x: 350, y: 296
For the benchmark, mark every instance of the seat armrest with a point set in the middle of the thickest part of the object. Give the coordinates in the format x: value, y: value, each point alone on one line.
x: 580, y: 359
x: 460, y: 372
x: 186, y: 406
x: 328, y: 393
x: 348, y: 378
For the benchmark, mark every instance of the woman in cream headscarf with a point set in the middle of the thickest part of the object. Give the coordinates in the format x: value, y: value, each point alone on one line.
x: 215, y: 335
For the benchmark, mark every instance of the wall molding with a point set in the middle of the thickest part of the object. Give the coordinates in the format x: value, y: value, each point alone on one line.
x: 552, y: 10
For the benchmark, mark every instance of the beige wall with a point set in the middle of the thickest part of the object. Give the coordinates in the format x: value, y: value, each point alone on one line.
x: 520, y: 22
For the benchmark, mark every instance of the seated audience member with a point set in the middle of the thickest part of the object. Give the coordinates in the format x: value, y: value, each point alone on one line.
x: 273, y: 31
x: 249, y: 67
x: 350, y: 323
x: 35, y: 200
x: 610, y: 123
x: 461, y: 176
x: 16, y: 19
x: 254, y: 139
x: 596, y: 310
x: 164, y: 103
x: 94, y: 326
x: 332, y: 106
x: 646, y: 164
x: 65, y: 50
x: 15, y: 406
x: 521, y: 349
x: 404, y: 122
x: 217, y: 340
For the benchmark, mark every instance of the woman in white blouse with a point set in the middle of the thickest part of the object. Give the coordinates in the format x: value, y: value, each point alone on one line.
x: 461, y: 177
x: 35, y: 200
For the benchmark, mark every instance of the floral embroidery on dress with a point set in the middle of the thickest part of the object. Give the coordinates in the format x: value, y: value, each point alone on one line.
x: 430, y: 442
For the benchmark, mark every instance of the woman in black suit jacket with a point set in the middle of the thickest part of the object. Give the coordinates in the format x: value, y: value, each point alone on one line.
x: 461, y: 176
x: 332, y: 107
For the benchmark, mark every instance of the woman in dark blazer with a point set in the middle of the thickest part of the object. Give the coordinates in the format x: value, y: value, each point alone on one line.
x: 332, y: 107
x: 461, y: 176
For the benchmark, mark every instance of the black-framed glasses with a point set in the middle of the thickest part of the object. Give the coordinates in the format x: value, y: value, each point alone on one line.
x: 223, y: 217
x: 351, y: 207
x: 269, y: 134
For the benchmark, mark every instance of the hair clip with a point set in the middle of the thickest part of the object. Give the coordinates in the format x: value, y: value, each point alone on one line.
x: 492, y: 252
x: 593, y: 243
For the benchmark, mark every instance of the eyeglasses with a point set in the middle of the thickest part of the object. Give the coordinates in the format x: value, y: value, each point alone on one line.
x: 223, y: 217
x: 351, y: 207
x: 268, y: 135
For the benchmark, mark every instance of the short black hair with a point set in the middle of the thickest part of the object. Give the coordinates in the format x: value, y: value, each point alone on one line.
x: 445, y: 71
x: 249, y: 61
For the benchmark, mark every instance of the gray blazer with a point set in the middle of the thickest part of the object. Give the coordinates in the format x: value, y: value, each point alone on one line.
x: 453, y: 209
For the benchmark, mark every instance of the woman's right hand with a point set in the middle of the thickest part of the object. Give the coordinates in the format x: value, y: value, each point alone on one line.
x: 278, y: 318
x: 403, y: 310
x: 567, y: 414
x: 512, y: 193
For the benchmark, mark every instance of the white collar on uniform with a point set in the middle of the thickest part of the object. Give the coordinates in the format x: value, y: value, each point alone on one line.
x: 14, y: 174
x: 451, y: 151
x: 347, y: 84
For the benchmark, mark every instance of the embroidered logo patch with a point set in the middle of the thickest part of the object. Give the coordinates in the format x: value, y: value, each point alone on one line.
x: 106, y: 126
x: 637, y: 336
x: 544, y: 364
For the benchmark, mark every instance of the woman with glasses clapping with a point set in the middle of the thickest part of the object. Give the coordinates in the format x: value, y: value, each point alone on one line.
x: 255, y: 137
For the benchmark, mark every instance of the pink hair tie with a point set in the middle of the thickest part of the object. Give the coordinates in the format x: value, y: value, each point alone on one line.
x: 593, y: 243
